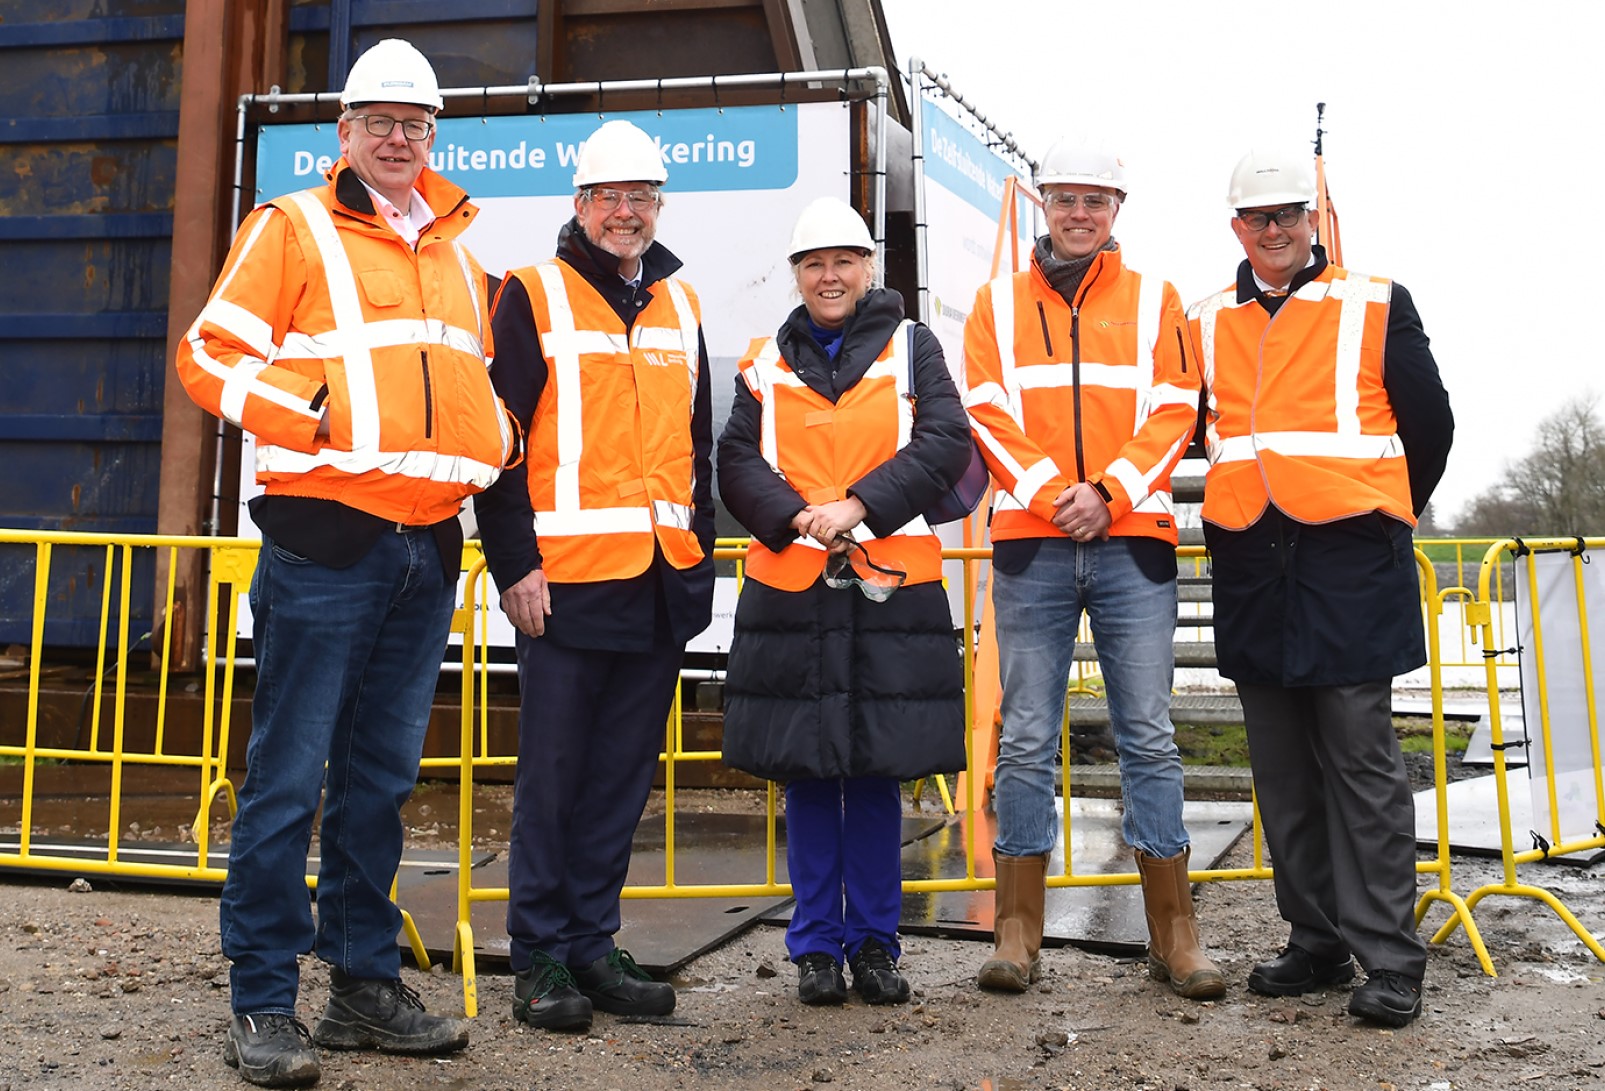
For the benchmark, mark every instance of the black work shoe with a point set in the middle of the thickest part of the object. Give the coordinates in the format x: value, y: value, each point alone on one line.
x: 875, y: 975
x: 820, y: 980
x: 615, y: 984
x: 385, y: 1015
x: 544, y: 996
x: 1387, y: 997
x: 271, y: 1051
x: 1295, y: 971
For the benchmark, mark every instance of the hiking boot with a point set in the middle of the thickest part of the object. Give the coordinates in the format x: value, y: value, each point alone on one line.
x: 271, y: 1050
x: 1387, y: 997
x: 615, y: 984
x: 385, y: 1015
x: 1295, y: 971
x: 820, y: 980
x: 875, y: 975
x: 544, y: 996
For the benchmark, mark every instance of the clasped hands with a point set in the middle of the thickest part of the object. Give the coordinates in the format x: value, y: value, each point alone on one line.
x: 1081, y: 513
x: 826, y: 523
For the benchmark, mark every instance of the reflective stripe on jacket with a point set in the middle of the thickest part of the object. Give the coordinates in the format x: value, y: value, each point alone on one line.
x: 821, y: 448
x: 1298, y: 415
x: 611, y: 475
x: 1098, y: 392
x: 320, y: 307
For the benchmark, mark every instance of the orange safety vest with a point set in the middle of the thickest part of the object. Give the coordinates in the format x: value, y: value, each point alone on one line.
x: 1298, y: 415
x: 821, y: 448
x: 611, y: 472
x: 1112, y: 369
x: 320, y: 306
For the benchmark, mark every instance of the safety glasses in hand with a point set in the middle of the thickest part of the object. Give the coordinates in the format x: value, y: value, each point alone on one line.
x: 854, y: 568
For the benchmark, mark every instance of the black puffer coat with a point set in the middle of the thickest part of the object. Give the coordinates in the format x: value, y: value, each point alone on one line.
x: 823, y: 682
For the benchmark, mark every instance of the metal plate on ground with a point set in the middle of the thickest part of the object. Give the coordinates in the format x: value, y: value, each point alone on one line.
x: 1474, y: 818
x: 1105, y: 918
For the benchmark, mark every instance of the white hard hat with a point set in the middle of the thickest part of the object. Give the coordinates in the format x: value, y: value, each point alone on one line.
x: 619, y: 152
x: 392, y: 71
x: 1075, y: 162
x: 829, y: 222
x: 1264, y: 178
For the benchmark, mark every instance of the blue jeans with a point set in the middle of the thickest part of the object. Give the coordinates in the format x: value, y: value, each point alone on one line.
x: 347, y: 661
x: 1133, y: 625
x: 844, y: 852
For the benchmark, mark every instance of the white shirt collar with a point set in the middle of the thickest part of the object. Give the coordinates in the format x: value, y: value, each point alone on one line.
x: 408, y: 224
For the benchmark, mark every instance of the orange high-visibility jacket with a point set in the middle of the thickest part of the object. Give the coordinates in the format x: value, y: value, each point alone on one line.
x: 1099, y: 392
x: 821, y: 449
x: 1298, y: 415
x: 610, y: 467
x: 323, y: 307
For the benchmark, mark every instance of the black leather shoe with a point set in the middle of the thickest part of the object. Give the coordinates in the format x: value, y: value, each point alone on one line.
x: 271, y: 1051
x: 544, y: 996
x: 1295, y: 971
x: 875, y: 975
x: 820, y: 980
x: 384, y: 1015
x: 1390, y: 998
x: 615, y: 984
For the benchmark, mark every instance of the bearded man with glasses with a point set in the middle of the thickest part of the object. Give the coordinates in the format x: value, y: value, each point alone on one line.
x: 1328, y: 429
x: 602, y: 546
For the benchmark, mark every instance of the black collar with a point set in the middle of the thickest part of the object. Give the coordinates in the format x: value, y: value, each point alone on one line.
x: 1248, y: 288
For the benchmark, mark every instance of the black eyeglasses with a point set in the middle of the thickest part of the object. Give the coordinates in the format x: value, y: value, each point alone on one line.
x: 1285, y: 218
x: 1092, y: 202
x: 854, y: 568
x: 414, y: 129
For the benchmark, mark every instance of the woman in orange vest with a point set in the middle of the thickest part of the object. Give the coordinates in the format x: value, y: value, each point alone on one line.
x: 844, y: 677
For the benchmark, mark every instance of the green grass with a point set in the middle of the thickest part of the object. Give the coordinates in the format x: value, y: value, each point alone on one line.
x: 1214, y: 745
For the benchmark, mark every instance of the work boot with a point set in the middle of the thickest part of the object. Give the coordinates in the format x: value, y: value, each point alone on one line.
x: 271, y: 1051
x: 875, y: 974
x: 1016, y: 922
x: 1174, y: 953
x: 820, y: 980
x: 545, y: 996
x: 1387, y: 997
x: 615, y: 984
x: 1295, y: 972
x: 385, y: 1015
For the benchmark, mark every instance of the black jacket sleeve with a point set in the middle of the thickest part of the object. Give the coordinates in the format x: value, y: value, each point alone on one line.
x: 759, y: 498
x: 506, y: 521
x: 1420, y: 403
x: 937, y: 454
x: 702, y: 451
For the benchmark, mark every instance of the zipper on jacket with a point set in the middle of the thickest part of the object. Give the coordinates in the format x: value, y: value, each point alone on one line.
x: 429, y: 397
x: 1181, y: 347
x: 1075, y: 369
x: 1047, y: 338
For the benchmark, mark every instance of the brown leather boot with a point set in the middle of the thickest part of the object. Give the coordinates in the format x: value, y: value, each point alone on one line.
x: 1016, y: 922
x: 1174, y: 953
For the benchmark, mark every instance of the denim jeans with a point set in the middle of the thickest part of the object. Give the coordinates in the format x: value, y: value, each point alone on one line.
x: 1133, y: 625
x: 844, y: 852
x: 347, y: 661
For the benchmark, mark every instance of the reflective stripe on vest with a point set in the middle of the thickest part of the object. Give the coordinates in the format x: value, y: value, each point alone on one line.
x: 914, y: 547
x: 1312, y: 475
x: 564, y: 525
x: 353, y: 341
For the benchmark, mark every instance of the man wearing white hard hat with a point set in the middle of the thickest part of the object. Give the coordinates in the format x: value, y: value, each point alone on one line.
x: 1083, y: 400
x: 1328, y: 429
x: 602, y: 547
x: 349, y: 332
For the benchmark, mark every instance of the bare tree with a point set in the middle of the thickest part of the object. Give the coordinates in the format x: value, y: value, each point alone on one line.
x: 1557, y: 489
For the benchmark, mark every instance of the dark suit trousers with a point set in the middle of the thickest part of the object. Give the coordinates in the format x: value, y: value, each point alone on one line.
x: 1339, y: 820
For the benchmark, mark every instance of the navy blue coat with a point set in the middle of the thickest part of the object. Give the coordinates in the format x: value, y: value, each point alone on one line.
x: 823, y: 682
x: 1336, y: 603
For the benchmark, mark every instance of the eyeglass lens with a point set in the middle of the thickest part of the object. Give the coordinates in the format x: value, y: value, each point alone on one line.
x: 384, y: 124
x: 609, y: 199
x: 1285, y: 218
x: 1092, y: 202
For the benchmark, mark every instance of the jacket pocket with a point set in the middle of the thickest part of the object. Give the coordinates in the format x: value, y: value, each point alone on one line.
x: 381, y: 287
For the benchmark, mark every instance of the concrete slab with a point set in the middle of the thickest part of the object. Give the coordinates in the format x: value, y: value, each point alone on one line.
x: 1474, y: 818
x: 1101, y: 918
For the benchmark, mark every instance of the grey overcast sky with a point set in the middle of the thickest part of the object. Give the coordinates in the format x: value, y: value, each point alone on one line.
x: 1456, y: 151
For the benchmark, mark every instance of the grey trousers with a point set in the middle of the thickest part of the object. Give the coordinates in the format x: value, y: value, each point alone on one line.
x: 1339, y: 820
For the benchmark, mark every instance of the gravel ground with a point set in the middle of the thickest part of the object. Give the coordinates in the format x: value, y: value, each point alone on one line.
x: 111, y: 988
